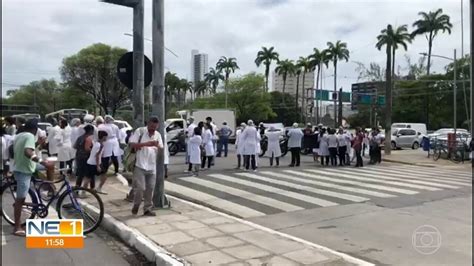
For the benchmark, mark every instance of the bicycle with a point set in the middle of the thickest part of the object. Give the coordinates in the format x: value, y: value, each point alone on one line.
x: 456, y: 156
x: 70, y: 201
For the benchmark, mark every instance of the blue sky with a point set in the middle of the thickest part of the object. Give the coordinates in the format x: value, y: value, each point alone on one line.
x: 38, y: 34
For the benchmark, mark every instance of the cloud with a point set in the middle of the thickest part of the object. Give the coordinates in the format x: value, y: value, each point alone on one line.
x: 38, y: 34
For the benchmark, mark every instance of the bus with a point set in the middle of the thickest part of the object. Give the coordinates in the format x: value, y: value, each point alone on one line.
x: 68, y: 114
x: 28, y: 116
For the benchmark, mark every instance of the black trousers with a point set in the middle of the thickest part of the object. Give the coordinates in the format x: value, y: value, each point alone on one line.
x: 277, y: 159
x: 66, y: 164
x: 333, y: 156
x: 209, y: 161
x: 250, y: 159
x: 359, y: 162
x: 295, y: 156
x: 324, y: 159
x: 342, y: 155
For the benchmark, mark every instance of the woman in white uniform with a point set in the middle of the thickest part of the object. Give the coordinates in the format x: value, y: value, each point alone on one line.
x: 207, y: 142
x: 249, y: 141
x: 65, y: 150
x: 53, y: 133
x: 323, y: 147
x: 239, y: 145
x: 194, y: 144
x: 273, y: 150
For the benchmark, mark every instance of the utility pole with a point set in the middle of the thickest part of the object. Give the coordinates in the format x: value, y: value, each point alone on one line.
x: 388, y: 98
x: 158, y: 108
x: 462, y: 66
x: 138, y: 58
x: 471, y: 7
x: 455, y: 87
x: 340, y: 107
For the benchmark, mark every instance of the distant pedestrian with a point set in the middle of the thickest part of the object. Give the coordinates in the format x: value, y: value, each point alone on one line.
x: 65, y: 150
x: 249, y: 141
x: 273, y: 146
x: 357, y: 146
x: 83, y: 146
x: 208, y: 145
x: 332, y: 146
x: 195, y: 151
x: 94, y: 162
x: 53, y: 135
x: 341, y: 147
x: 239, y: 145
x: 214, y: 137
x: 189, y: 134
x: 323, y: 147
x: 224, y: 133
x: 295, y: 136
x: 10, y: 126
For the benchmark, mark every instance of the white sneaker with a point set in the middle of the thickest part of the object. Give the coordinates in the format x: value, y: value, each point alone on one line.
x: 186, y: 171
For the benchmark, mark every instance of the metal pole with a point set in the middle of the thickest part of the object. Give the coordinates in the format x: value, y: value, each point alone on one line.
x: 462, y: 69
x: 472, y: 65
x: 158, y: 108
x: 455, y: 94
x: 138, y: 65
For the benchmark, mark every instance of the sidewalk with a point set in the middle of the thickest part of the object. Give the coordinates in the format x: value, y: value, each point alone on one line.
x: 191, y: 234
x: 420, y: 158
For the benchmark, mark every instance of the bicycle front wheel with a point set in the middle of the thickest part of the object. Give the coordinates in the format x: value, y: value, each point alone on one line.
x: 436, y: 154
x: 82, y: 203
x: 8, y: 201
x: 456, y: 156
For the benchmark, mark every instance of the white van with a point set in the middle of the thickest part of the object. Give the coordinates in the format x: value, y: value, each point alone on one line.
x: 418, y: 127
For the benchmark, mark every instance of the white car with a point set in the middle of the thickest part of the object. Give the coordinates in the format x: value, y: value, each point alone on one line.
x: 405, y: 138
x: 123, y: 125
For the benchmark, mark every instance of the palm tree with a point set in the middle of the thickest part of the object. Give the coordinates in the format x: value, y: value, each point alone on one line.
x: 337, y: 51
x: 399, y: 36
x: 266, y: 56
x: 213, y: 77
x: 305, y: 64
x: 429, y: 25
x: 298, y: 74
x: 227, y: 65
x: 318, y: 59
x: 185, y: 86
x: 386, y: 38
x: 285, y: 68
x: 171, y: 84
x: 201, y: 88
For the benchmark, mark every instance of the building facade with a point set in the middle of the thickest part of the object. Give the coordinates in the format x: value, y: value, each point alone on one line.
x: 292, y: 82
x: 199, y: 66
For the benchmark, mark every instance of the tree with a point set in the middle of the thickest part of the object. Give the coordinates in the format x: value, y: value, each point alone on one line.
x: 93, y: 71
x: 282, y: 106
x: 430, y: 25
x: 305, y: 64
x: 171, y: 88
x: 416, y: 70
x: 285, y: 68
x: 374, y: 72
x: 200, y: 88
x: 318, y: 58
x: 266, y: 56
x: 385, y: 38
x: 399, y: 36
x: 213, y: 77
x: 337, y: 51
x: 227, y: 65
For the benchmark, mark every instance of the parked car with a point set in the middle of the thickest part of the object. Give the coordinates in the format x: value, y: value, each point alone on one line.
x: 44, y: 126
x: 405, y: 138
x: 123, y: 125
x: 418, y: 127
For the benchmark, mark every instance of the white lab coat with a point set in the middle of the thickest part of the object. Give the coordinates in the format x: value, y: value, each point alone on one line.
x: 111, y: 145
x: 53, y: 135
x: 323, y: 145
x: 294, y: 138
x: 208, y: 143
x: 273, y: 138
x: 166, y: 151
x: 194, y: 144
x: 238, y: 142
x: 249, y: 140
x: 76, y: 132
x: 65, y: 151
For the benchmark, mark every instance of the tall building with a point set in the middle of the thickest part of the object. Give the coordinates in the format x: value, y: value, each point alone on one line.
x: 291, y: 82
x: 199, y: 66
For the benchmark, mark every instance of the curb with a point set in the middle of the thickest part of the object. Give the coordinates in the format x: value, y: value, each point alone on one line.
x: 137, y: 240
x: 407, y: 163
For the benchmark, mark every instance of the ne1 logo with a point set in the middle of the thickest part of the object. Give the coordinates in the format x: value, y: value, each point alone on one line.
x: 54, y: 233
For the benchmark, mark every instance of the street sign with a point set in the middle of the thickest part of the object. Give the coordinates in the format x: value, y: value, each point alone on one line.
x: 125, y: 70
x: 322, y: 95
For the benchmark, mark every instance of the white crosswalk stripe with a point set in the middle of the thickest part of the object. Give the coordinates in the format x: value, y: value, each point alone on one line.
x: 242, y: 193
x: 305, y: 188
x: 452, y: 172
x: 271, y: 189
x: 378, y: 179
x: 340, y: 181
x: 386, y: 176
x: 286, y: 190
x: 435, y: 177
x: 329, y: 185
x: 240, y: 210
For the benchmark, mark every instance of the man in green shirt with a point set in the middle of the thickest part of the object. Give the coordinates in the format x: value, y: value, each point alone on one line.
x: 26, y: 163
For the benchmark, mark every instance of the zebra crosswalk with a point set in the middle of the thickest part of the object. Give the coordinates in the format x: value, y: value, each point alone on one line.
x: 253, y: 194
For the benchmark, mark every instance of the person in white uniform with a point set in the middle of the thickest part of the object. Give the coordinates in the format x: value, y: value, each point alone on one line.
x: 65, y: 150
x: 195, y: 151
x: 111, y: 149
x: 208, y: 144
x: 53, y: 135
x: 239, y: 145
x: 249, y: 141
x: 189, y: 134
x: 323, y: 147
x: 295, y: 135
x: 273, y: 150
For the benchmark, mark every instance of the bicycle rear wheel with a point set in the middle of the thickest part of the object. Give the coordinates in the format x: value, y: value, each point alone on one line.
x: 8, y: 200
x: 456, y: 156
x: 82, y: 203
x: 436, y: 154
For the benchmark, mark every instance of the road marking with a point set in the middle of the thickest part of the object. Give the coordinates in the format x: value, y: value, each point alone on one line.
x: 379, y: 179
x: 311, y: 189
x: 245, y: 194
x: 239, y: 210
x: 291, y: 194
x: 436, y: 170
x: 433, y: 171
x: 391, y: 189
x: 439, y: 178
x: 329, y: 185
x: 409, y: 179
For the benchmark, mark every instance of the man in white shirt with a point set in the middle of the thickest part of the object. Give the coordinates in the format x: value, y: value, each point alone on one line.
x: 294, y: 143
x: 189, y: 134
x: 147, y: 142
